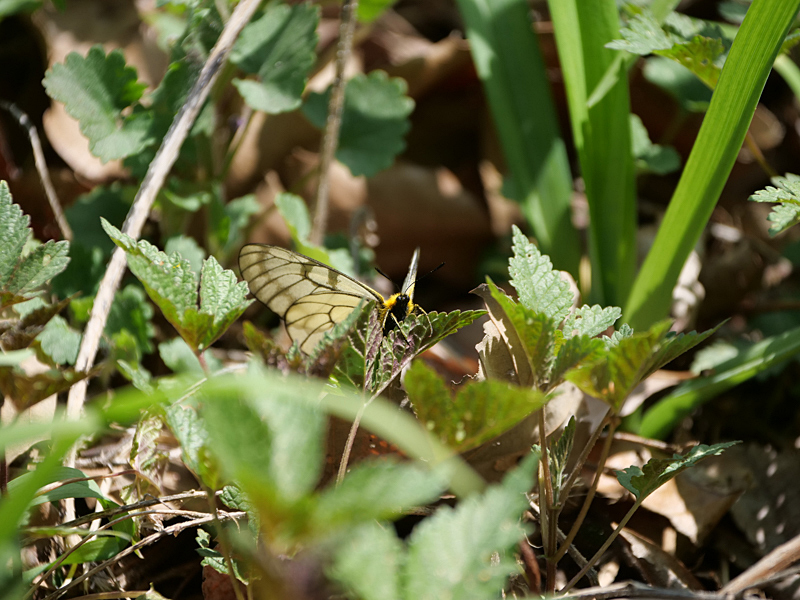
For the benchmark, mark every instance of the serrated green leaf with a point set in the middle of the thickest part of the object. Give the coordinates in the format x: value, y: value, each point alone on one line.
x: 575, y: 350
x: 590, y: 320
x: 613, y: 376
x: 436, y: 567
x: 59, y: 341
x: 374, y: 121
x: 787, y: 193
x: 539, y: 286
x: 368, y: 563
x: 270, y: 443
x: 479, y: 410
x: 376, y: 490
x: 657, y: 471
x: 188, y: 248
x: 14, y: 232
x: 95, y: 90
x: 280, y: 47
x: 172, y: 285
x: 643, y: 35
x: 140, y: 377
x: 20, y: 273
x: 624, y: 331
x: 536, y: 332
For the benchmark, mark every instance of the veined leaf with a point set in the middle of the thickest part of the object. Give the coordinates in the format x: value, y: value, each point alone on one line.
x: 374, y: 121
x: 657, y: 471
x: 172, y: 285
x: 95, y: 90
x: 22, y: 273
x: 787, y: 193
x: 539, y: 286
x: 279, y: 47
x: 479, y: 410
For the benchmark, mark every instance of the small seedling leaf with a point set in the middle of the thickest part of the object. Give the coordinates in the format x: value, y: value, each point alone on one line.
x: 657, y: 471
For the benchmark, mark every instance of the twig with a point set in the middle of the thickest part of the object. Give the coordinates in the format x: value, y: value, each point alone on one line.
x: 330, y: 139
x: 171, y: 530
x: 780, y: 558
x: 634, y: 589
x: 41, y: 167
x: 156, y: 174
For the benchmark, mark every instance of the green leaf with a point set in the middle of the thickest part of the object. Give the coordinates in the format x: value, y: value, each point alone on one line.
x: 509, y: 63
x: 748, y: 362
x: 294, y: 211
x: 280, y: 47
x: 177, y: 355
x: 374, y: 121
x: 96, y: 90
x: 193, y: 435
x: 539, y: 286
x: 558, y: 455
x: 536, y: 331
x: 77, y: 489
x: 688, y: 91
x: 787, y: 194
x: 650, y: 157
x: 59, y: 341
x: 172, y: 285
x: 130, y: 312
x: 376, y: 490
x: 657, y: 471
x: 271, y: 444
x: 368, y: 563
x: 188, y: 248
x: 614, y: 375
x: 718, y: 143
x: 574, y: 351
x: 479, y: 410
x: 436, y: 567
x: 691, y: 42
x: 386, y: 356
x: 21, y: 273
x: 601, y: 134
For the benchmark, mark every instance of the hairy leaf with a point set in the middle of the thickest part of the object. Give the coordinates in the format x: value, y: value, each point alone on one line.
x: 539, y: 286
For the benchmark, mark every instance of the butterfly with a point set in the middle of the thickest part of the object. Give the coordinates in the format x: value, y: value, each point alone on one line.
x: 312, y: 297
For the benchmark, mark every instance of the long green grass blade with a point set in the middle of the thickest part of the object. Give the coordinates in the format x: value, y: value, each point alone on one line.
x: 659, y: 420
x: 509, y: 62
x: 712, y: 157
x: 602, y: 138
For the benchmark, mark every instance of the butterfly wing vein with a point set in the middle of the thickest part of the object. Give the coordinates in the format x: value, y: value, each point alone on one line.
x: 310, y: 296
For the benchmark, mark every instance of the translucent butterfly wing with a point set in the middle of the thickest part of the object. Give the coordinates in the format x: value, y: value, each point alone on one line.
x: 310, y: 296
x: 411, y: 279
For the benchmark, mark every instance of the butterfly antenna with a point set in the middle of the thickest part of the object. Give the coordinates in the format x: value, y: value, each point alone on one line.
x: 387, y: 277
x: 418, y: 279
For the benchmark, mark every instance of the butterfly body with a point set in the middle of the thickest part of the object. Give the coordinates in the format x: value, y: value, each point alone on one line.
x: 312, y: 297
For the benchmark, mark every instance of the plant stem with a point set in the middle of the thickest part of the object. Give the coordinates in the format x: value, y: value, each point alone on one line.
x: 330, y: 139
x: 547, y: 515
x: 592, y: 490
x: 604, y: 547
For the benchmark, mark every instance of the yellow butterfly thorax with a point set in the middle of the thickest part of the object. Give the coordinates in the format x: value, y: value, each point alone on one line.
x: 312, y: 297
